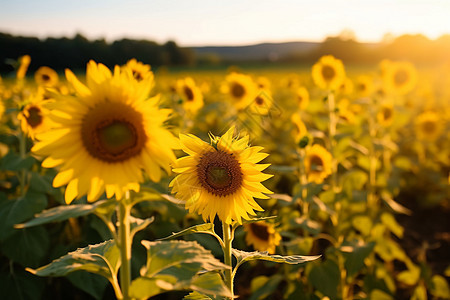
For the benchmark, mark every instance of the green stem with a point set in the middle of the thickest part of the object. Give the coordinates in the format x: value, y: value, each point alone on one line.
x: 332, y: 139
x: 227, y: 240
x: 22, y: 152
x: 125, y: 245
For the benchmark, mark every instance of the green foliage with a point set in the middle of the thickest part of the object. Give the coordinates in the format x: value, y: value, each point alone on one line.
x: 325, y: 278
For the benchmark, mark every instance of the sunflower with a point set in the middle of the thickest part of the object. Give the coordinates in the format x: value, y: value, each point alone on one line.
x: 46, y: 77
x: 262, y: 236
x: 328, y: 73
x: 190, y: 93
x: 318, y: 164
x: 364, y: 86
x: 299, y: 130
x: 263, y: 83
x: 241, y: 89
x: 399, y: 77
x: 139, y: 71
x: 34, y: 116
x: 346, y: 87
x: 429, y: 126
x: 345, y: 112
x: 24, y: 62
x: 302, y: 97
x: 105, y: 135
x: 385, y: 115
x: 262, y: 103
x: 220, y: 178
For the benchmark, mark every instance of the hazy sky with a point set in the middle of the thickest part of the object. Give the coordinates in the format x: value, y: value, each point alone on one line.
x: 232, y: 22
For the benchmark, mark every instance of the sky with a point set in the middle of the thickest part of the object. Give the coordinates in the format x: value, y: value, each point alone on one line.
x: 217, y: 22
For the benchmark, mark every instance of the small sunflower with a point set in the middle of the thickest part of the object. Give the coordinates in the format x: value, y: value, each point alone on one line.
x: 139, y: 71
x: 106, y: 135
x: 190, y: 93
x: 429, y: 126
x: 221, y: 178
x: 299, y: 130
x: 302, y: 97
x: 346, y: 87
x: 262, y: 103
x: 262, y: 236
x: 328, y: 73
x: 241, y: 89
x: 385, y: 115
x: 24, y: 62
x: 345, y: 112
x: 34, y: 116
x: 46, y: 77
x: 318, y: 164
x: 399, y: 77
x: 364, y: 86
x: 263, y: 83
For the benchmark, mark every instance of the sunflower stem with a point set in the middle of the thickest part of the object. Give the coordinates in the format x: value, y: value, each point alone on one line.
x: 227, y: 240
x: 125, y: 245
x: 22, y: 152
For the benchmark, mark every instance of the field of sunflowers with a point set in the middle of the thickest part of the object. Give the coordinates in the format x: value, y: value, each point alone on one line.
x: 327, y: 182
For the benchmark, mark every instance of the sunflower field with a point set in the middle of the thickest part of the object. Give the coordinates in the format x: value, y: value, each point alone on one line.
x: 328, y: 182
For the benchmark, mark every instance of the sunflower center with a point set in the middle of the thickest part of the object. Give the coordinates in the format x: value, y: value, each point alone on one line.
x: 429, y: 126
x: 316, y: 163
x: 113, y: 132
x: 237, y: 90
x: 137, y: 75
x: 45, y: 77
x: 260, y: 231
x: 401, y: 77
x: 328, y: 72
x: 259, y: 100
x: 387, y: 113
x: 188, y: 92
x: 219, y: 173
x: 34, y: 116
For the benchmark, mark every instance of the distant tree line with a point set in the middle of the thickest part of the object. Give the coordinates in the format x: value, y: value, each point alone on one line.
x: 74, y: 53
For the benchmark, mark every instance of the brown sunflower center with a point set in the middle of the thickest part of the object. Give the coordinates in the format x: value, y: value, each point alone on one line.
x: 328, y: 72
x: 137, y: 75
x: 45, y: 77
x: 429, y: 126
x: 362, y: 87
x: 259, y: 100
x: 401, y: 77
x: 387, y: 113
x: 219, y: 173
x: 316, y: 163
x: 113, y: 132
x: 34, y: 118
x: 189, y: 93
x: 237, y: 90
x: 260, y: 231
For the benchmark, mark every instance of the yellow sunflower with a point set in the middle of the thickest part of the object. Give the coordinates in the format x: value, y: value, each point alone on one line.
x: 328, y: 73
x: 318, y: 164
x: 429, y: 126
x: 241, y: 89
x: 399, y: 77
x: 220, y: 178
x: 105, y: 135
x: 262, y: 236
x: 24, y: 62
x: 302, y: 97
x: 299, y: 130
x: 139, y: 71
x: 46, y: 77
x: 34, y: 116
x: 190, y: 93
x: 346, y: 87
x: 385, y: 115
x: 364, y: 86
x: 345, y: 112
x: 263, y: 83
x: 262, y: 103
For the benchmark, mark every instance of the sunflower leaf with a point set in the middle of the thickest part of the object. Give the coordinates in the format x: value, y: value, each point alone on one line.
x: 243, y: 256
x: 201, y: 228
x: 139, y: 224
x: 102, y: 259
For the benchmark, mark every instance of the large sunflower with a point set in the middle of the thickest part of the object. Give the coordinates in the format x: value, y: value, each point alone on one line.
x: 241, y: 89
x: 190, y: 93
x: 318, y: 164
x: 328, y: 73
x: 220, y: 178
x: 105, y: 135
x: 262, y: 236
x: 46, y: 77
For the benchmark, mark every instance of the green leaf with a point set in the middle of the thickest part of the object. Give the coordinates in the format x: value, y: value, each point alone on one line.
x: 243, y: 256
x: 363, y: 224
x: 380, y: 295
x: 201, y: 228
x: 64, y: 212
x: 178, y: 265
x: 410, y: 276
x: 102, y: 259
x: 355, y: 253
x: 420, y: 293
x: 389, y: 221
x: 196, y: 296
x: 92, y: 284
x: 137, y: 224
x: 19, y: 284
x: 354, y: 180
x: 13, y: 162
x: 439, y: 287
x: 325, y: 278
x: 263, y: 286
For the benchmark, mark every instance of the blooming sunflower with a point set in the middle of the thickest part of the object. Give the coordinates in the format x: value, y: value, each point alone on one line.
x: 262, y: 103
x: 241, y: 88
x: 429, y: 126
x: 399, y: 77
x: 34, y: 116
x: 328, y: 73
x: 139, y: 71
x: 299, y: 128
x: 346, y: 87
x: 220, y: 178
x: 345, y: 112
x: 385, y: 115
x: 105, y: 135
x: 46, y: 77
x: 190, y: 93
x: 318, y: 164
x: 262, y: 236
x: 364, y: 86
x: 302, y: 97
